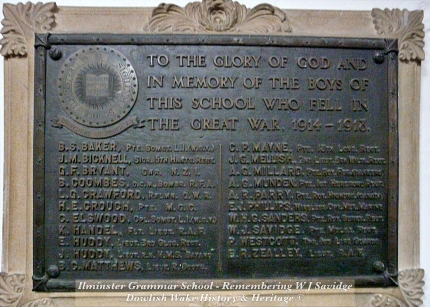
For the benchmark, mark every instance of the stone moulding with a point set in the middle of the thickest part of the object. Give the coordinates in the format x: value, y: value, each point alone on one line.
x: 218, y: 16
x: 11, y: 289
x: 44, y: 302
x: 20, y: 22
x: 380, y: 300
x: 406, y: 26
x: 411, y: 286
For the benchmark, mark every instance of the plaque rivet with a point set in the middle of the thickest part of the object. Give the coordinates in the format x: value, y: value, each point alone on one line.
x: 55, y: 54
x: 53, y: 271
x: 379, y: 57
x: 378, y: 267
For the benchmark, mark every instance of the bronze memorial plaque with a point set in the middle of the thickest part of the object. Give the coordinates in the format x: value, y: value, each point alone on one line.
x: 214, y: 158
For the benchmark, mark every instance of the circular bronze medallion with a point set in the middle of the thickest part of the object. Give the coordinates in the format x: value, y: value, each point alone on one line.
x: 97, y: 86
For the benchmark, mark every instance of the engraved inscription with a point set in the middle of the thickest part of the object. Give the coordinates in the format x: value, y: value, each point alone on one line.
x: 97, y: 85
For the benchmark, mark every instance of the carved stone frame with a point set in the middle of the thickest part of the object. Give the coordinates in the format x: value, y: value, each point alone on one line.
x: 22, y: 21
